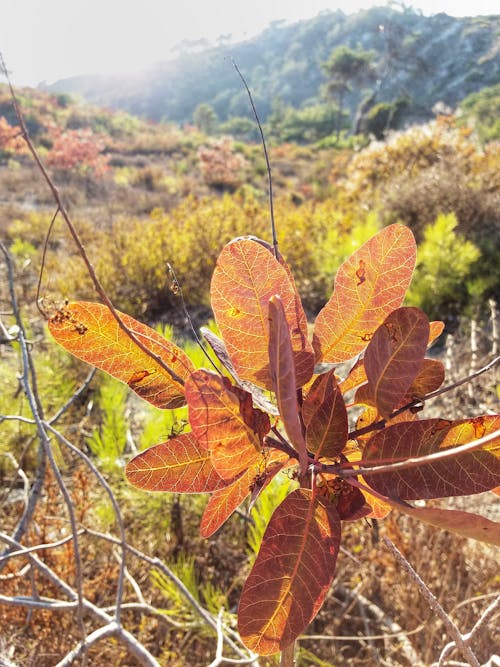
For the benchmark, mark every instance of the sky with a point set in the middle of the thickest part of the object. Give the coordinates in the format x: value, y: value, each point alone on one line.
x: 45, y: 40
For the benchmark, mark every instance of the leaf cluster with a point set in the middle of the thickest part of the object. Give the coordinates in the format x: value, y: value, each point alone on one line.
x: 275, y: 410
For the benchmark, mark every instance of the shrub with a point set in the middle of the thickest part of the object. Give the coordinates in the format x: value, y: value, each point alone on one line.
x: 444, y: 261
x: 11, y: 141
x: 77, y: 149
x: 220, y: 166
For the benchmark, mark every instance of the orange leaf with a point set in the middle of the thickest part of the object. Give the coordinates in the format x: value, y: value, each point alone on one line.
x: 223, y: 502
x: 179, y: 465
x: 91, y: 333
x: 436, y: 328
x: 292, y: 573
x: 348, y: 500
x: 224, y: 422
x: 259, y: 396
x: 394, y: 356
x: 379, y: 508
x: 465, y: 474
x: 283, y: 378
x: 246, y: 276
x: 325, y: 417
x: 356, y: 376
x: 359, y: 304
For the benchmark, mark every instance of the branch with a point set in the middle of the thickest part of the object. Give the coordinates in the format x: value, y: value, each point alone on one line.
x: 268, y: 164
x: 372, y: 468
x: 122, y: 542
x: 434, y: 604
x: 41, y: 468
x: 135, y: 647
x: 160, y: 565
x: 377, y: 426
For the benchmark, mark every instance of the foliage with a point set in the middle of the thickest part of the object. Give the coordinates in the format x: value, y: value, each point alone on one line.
x: 220, y: 165
x: 344, y: 68
x: 232, y: 451
x: 433, y: 57
x: 311, y: 123
x: 382, y: 117
x: 423, y: 172
x: 481, y: 110
x: 205, y: 118
x: 11, y: 141
x: 444, y: 262
x: 77, y: 149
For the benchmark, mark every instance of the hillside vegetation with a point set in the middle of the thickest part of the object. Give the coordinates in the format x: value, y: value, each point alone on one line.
x: 417, y: 62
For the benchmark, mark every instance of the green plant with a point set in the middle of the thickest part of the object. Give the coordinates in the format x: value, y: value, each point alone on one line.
x: 444, y: 262
x: 108, y: 441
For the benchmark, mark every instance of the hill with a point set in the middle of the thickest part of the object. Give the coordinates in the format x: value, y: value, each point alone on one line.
x: 421, y: 60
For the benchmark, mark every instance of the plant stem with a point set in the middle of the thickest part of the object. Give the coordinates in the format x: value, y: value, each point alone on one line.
x: 287, y: 658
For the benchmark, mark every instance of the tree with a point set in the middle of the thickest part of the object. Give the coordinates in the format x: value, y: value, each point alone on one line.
x: 205, y: 118
x: 344, y: 68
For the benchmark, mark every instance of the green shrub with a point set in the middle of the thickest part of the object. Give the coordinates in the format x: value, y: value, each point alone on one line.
x: 444, y: 262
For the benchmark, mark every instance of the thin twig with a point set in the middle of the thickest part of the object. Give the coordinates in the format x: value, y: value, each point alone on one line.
x: 434, y: 604
x: 116, y: 508
x: 135, y: 647
x: 160, y: 565
x: 44, y: 255
x: 41, y: 468
x: 74, y: 397
x: 373, y: 467
x: 418, y: 402
x: 268, y: 164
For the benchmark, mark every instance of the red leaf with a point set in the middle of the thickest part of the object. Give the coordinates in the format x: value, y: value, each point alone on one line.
x: 394, y: 356
x: 465, y: 474
x: 179, y: 465
x: 224, y: 422
x: 325, y: 417
x: 292, y: 574
x: 429, y: 378
x: 283, y: 378
x: 469, y: 525
x: 357, y: 307
x: 246, y: 276
x: 91, y: 333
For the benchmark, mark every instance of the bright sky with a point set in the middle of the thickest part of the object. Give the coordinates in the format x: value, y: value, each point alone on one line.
x: 51, y: 39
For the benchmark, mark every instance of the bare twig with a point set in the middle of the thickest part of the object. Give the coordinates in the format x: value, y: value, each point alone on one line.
x: 160, y: 565
x: 74, y: 397
x: 41, y: 468
x: 268, y: 164
x: 434, y: 604
x: 135, y: 647
x: 416, y: 403
x: 494, y: 326
x: 122, y: 542
x: 374, y: 467
x: 29, y: 383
